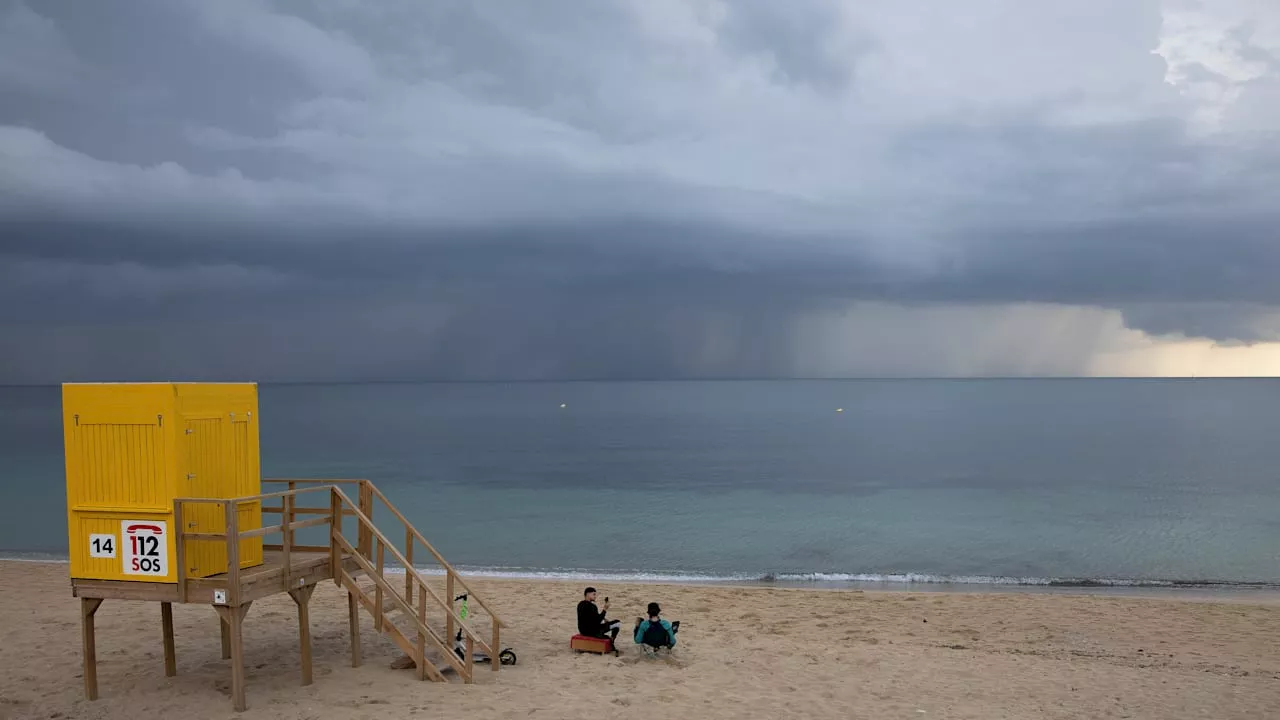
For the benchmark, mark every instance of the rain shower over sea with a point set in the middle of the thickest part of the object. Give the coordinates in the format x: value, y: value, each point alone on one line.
x: 1002, y: 483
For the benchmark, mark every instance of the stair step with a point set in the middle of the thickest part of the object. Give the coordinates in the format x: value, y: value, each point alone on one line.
x: 410, y: 630
x: 404, y: 662
x: 407, y: 644
x: 406, y: 640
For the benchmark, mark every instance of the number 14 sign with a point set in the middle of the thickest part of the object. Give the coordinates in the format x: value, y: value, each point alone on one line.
x: 143, y: 546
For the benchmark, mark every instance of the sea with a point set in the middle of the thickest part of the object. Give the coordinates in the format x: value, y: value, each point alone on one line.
x: 998, y: 484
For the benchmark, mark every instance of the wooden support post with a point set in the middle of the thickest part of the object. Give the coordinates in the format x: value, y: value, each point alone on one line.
x: 234, y: 618
x: 377, y: 592
x: 353, y: 615
x: 226, y: 636
x: 422, y: 638
x: 495, y: 648
x: 170, y: 656
x: 289, y: 514
x: 408, y: 555
x: 448, y: 591
x: 287, y: 542
x: 237, y: 653
x: 88, y: 607
x: 335, y: 531
x: 365, y: 536
x: 233, y: 555
x: 302, y: 596
x: 180, y: 549
x: 471, y: 660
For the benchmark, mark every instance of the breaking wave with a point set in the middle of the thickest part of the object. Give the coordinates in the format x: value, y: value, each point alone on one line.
x: 838, y: 579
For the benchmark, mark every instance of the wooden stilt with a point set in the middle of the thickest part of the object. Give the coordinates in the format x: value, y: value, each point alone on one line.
x: 302, y: 596
x: 88, y: 607
x: 170, y: 656
x: 353, y: 613
x: 226, y: 637
x: 234, y: 617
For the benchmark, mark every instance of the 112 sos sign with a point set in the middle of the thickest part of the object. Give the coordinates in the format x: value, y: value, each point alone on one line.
x: 143, y: 547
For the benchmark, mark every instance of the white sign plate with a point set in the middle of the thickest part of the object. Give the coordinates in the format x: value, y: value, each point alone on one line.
x: 144, y: 547
x: 102, y: 545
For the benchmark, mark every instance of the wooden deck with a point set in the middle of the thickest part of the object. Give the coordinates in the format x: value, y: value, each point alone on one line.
x: 269, y: 578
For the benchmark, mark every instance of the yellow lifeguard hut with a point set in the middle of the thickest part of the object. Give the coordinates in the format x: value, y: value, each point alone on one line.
x: 164, y: 504
x: 131, y: 450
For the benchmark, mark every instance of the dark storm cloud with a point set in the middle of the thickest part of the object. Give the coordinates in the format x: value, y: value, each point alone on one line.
x: 1235, y: 323
x: 631, y: 189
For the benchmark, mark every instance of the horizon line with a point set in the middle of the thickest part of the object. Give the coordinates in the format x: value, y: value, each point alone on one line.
x: 543, y: 381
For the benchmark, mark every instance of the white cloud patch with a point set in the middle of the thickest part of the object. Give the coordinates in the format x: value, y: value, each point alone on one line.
x: 1217, y: 54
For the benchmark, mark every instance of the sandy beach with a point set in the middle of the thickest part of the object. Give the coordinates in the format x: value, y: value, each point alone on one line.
x: 744, y: 652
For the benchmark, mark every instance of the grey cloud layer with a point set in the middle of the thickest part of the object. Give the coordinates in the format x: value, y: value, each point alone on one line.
x: 568, y: 188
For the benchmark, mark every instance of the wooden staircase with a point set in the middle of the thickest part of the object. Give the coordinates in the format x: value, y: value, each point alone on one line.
x: 405, y: 606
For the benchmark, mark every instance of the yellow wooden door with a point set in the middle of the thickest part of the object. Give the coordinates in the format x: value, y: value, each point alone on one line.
x: 205, y: 478
x: 244, y: 481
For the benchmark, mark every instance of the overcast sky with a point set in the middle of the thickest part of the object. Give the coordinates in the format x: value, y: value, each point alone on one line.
x: 476, y: 189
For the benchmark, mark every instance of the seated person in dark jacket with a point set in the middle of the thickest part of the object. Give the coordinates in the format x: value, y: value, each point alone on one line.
x: 655, y: 632
x: 592, y: 622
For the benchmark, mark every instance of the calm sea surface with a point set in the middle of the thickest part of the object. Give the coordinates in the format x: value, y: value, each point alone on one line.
x: 1006, y: 481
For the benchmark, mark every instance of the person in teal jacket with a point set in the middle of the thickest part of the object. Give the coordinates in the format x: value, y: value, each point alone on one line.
x: 655, y: 632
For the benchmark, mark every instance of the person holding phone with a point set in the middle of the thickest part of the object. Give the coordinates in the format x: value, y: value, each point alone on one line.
x: 592, y: 620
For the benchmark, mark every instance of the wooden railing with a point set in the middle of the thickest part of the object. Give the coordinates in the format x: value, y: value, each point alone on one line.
x: 369, y: 554
x: 232, y: 534
x: 452, y: 579
x: 464, y: 665
x: 289, y: 511
x: 368, y: 493
x: 414, y: 583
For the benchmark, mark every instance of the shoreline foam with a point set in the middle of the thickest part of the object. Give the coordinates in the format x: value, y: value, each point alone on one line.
x: 906, y: 581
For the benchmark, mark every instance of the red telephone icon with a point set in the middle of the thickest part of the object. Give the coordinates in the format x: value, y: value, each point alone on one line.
x: 153, y: 528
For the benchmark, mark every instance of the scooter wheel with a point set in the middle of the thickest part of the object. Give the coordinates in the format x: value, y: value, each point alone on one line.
x: 506, y: 657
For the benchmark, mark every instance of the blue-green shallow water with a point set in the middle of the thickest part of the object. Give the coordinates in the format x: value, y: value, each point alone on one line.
x: 1009, y: 481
